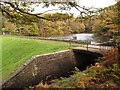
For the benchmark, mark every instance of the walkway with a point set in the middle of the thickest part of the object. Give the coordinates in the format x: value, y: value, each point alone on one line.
x: 93, y: 48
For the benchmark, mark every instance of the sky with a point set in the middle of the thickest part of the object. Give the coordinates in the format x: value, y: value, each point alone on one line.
x: 96, y: 3
x: 87, y: 3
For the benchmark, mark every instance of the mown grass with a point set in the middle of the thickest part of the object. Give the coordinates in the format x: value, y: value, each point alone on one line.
x: 16, y: 51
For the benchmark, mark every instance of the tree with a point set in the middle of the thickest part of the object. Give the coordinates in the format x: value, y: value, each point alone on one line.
x: 77, y: 27
x: 21, y: 12
x: 116, y: 37
x: 8, y: 27
x: 106, y: 25
x: 59, y: 25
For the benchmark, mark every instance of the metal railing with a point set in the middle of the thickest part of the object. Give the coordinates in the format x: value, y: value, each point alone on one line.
x: 91, y: 47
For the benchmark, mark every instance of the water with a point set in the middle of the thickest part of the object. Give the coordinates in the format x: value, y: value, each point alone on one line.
x: 83, y: 37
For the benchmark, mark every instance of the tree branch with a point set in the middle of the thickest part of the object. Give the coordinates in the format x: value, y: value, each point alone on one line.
x: 17, y: 8
x: 7, y: 13
x: 47, y: 11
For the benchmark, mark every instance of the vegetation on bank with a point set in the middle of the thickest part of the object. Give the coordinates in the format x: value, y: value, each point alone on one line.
x: 104, y: 74
x: 16, y: 51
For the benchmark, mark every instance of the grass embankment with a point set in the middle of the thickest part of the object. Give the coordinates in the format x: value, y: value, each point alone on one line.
x: 16, y: 51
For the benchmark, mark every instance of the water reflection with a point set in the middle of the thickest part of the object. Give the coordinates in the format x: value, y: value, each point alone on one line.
x: 82, y: 37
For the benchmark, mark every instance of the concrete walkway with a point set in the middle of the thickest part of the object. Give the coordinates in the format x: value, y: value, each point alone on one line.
x: 93, y: 48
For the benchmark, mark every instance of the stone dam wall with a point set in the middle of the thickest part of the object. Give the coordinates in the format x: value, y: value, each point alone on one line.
x: 46, y: 66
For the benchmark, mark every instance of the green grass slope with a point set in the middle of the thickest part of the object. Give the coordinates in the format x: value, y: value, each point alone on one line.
x: 16, y: 51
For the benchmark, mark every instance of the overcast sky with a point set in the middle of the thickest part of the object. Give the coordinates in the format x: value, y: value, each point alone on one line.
x: 96, y: 3
x: 87, y: 3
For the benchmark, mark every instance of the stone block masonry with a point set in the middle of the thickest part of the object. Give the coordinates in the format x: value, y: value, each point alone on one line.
x: 41, y: 67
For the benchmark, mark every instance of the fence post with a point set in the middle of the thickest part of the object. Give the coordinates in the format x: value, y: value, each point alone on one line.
x: 87, y: 46
x: 100, y: 47
x: 70, y: 43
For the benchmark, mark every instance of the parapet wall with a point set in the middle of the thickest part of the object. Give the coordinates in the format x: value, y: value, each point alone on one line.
x: 40, y: 68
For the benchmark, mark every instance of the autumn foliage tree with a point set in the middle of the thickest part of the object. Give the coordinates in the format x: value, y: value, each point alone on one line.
x: 106, y: 25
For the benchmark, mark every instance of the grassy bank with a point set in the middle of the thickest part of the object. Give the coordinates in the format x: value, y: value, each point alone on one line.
x: 16, y: 51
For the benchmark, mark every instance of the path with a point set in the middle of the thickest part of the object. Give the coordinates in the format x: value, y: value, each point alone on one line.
x: 93, y: 48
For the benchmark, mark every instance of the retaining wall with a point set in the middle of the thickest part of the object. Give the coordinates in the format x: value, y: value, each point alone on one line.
x: 46, y: 66
x: 40, y: 68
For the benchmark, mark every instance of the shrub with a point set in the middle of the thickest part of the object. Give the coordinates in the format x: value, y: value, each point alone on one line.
x: 110, y: 57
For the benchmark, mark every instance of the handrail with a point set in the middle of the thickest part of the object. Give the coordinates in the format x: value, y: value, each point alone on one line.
x: 94, y: 47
